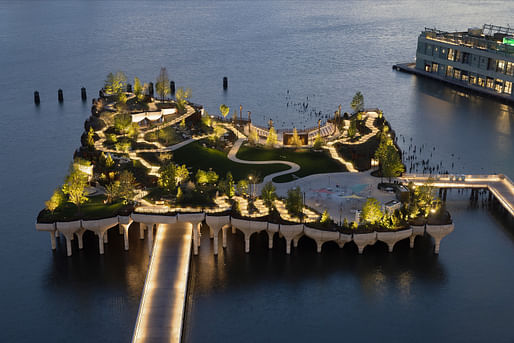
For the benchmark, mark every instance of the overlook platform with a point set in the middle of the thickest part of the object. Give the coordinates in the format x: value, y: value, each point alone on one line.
x: 499, y: 185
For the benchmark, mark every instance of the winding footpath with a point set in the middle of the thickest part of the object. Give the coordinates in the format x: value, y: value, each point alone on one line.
x: 232, y: 156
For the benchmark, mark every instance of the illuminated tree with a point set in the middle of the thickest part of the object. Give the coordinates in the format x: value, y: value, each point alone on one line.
x: 242, y: 187
x: 318, y: 142
x: 167, y: 178
x: 295, y: 139
x: 325, y: 218
x: 227, y: 186
x: 268, y: 194
x: 391, y: 165
x: 57, y: 199
x: 75, y: 187
x: 109, y: 162
x: 371, y: 211
x: 162, y: 86
x: 294, y: 201
x: 181, y: 97
x: 112, y: 191
x: 272, y: 138
x: 181, y: 174
x: 352, y: 129
x: 127, y: 185
x: 90, y: 138
x: 138, y: 89
x: 253, y: 136
x: 224, y: 110
x: 357, y: 103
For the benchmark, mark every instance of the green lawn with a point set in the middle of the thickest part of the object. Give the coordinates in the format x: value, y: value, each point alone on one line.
x: 311, y: 162
x: 196, y: 156
x: 94, y: 208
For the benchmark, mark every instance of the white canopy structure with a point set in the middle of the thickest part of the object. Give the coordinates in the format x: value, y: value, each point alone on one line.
x: 152, y: 116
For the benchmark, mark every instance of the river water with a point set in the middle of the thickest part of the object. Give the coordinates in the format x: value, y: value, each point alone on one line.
x: 276, y: 54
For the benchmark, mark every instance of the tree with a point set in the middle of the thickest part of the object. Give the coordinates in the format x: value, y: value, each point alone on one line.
x: 253, y: 136
x: 181, y: 97
x: 371, y: 211
x: 122, y: 123
x: 181, y: 174
x: 57, y: 199
x: 201, y: 177
x: 138, y: 89
x: 391, y: 165
x: 325, y: 218
x: 227, y: 186
x: 357, y: 103
x: 422, y: 199
x: 272, y: 137
x: 212, y: 177
x: 318, y: 142
x: 224, y: 110
x: 112, y: 191
x: 295, y: 139
x: 268, y: 194
x: 167, y: 178
x: 109, y: 162
x: 352, y: 129
x: 75, y: 187
x: 294, y: 201
x: 179, y: 193
x: 127, y: 185
x: 242, y: 187
x: 162, y: 86
x: 90, y: 138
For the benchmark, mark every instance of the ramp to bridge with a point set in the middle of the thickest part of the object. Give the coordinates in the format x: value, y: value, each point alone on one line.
x: 162, y: 306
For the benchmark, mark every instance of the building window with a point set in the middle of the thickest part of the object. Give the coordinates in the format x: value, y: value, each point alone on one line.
x: 458, y: 55
x: 449, y: 71
x: 510, y: 68
x: 428, y: 50
x: 427, y: 68
x: 500, y: 66
x: 489, y: 83
x: 464, y: 76
x: 473, y: 80
x: 481, y: 81
x: 508, y: 87
x: 498, y: 85
x: 465, y: 58
x: 435, y: 67
x: 442, y: 53
x: 456, y: 74
x: 491, y: 64
x: 451, y: 54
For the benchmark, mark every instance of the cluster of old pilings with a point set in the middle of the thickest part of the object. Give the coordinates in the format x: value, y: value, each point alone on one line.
x: 291, y: 232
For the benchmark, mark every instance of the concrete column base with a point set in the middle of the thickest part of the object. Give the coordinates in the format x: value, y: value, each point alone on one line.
x: 79, y: 234
x: 195, y: 241
x: 247, y: 244
x: 106, y: 238
x: 150, y: 239
x: 57, y: 234
x: 270, y: 240
x: 412, y: 239
x: 319, y: 244
x: 124, y: 228
x: 52, y: 240
x: 288, y: 246
x: 101, y: 242
x: 211, y: 233
x: 141, y: 231
x: 198, y: 228
x: 215, y: 244
x: 224, y: 237
x: 295, y: 242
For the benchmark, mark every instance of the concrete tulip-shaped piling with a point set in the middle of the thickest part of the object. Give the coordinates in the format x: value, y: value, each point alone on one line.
x: 392, y: 237
x: 417, y: 230
x: 343, y: 239
x: 124, y: 223
x: 68, y: 229
x: 100, y: 227
x: 272, y: 229
x: 438, y: 232
x: 50, y: 228
x: 290, y: 232
x: 321, y: 236
x: 248, y: 228
x: 364, y: 239
x: 217, y: 223
x: 196, y: 220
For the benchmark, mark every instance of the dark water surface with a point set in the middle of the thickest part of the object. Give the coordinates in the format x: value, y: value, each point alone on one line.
x: 324, y: 50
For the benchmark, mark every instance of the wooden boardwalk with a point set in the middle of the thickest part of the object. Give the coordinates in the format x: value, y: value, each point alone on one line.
x: 162, y: 306
x: 499, y: 185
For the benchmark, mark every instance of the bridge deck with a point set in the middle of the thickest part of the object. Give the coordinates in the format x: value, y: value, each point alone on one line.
x: 499, y: 185
x: 161, y: 310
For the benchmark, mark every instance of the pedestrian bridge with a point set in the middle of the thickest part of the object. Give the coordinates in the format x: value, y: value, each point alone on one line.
x: 500, y: 186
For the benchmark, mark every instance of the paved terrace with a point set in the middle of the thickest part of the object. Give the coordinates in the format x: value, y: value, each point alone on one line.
x: 499, y: 185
